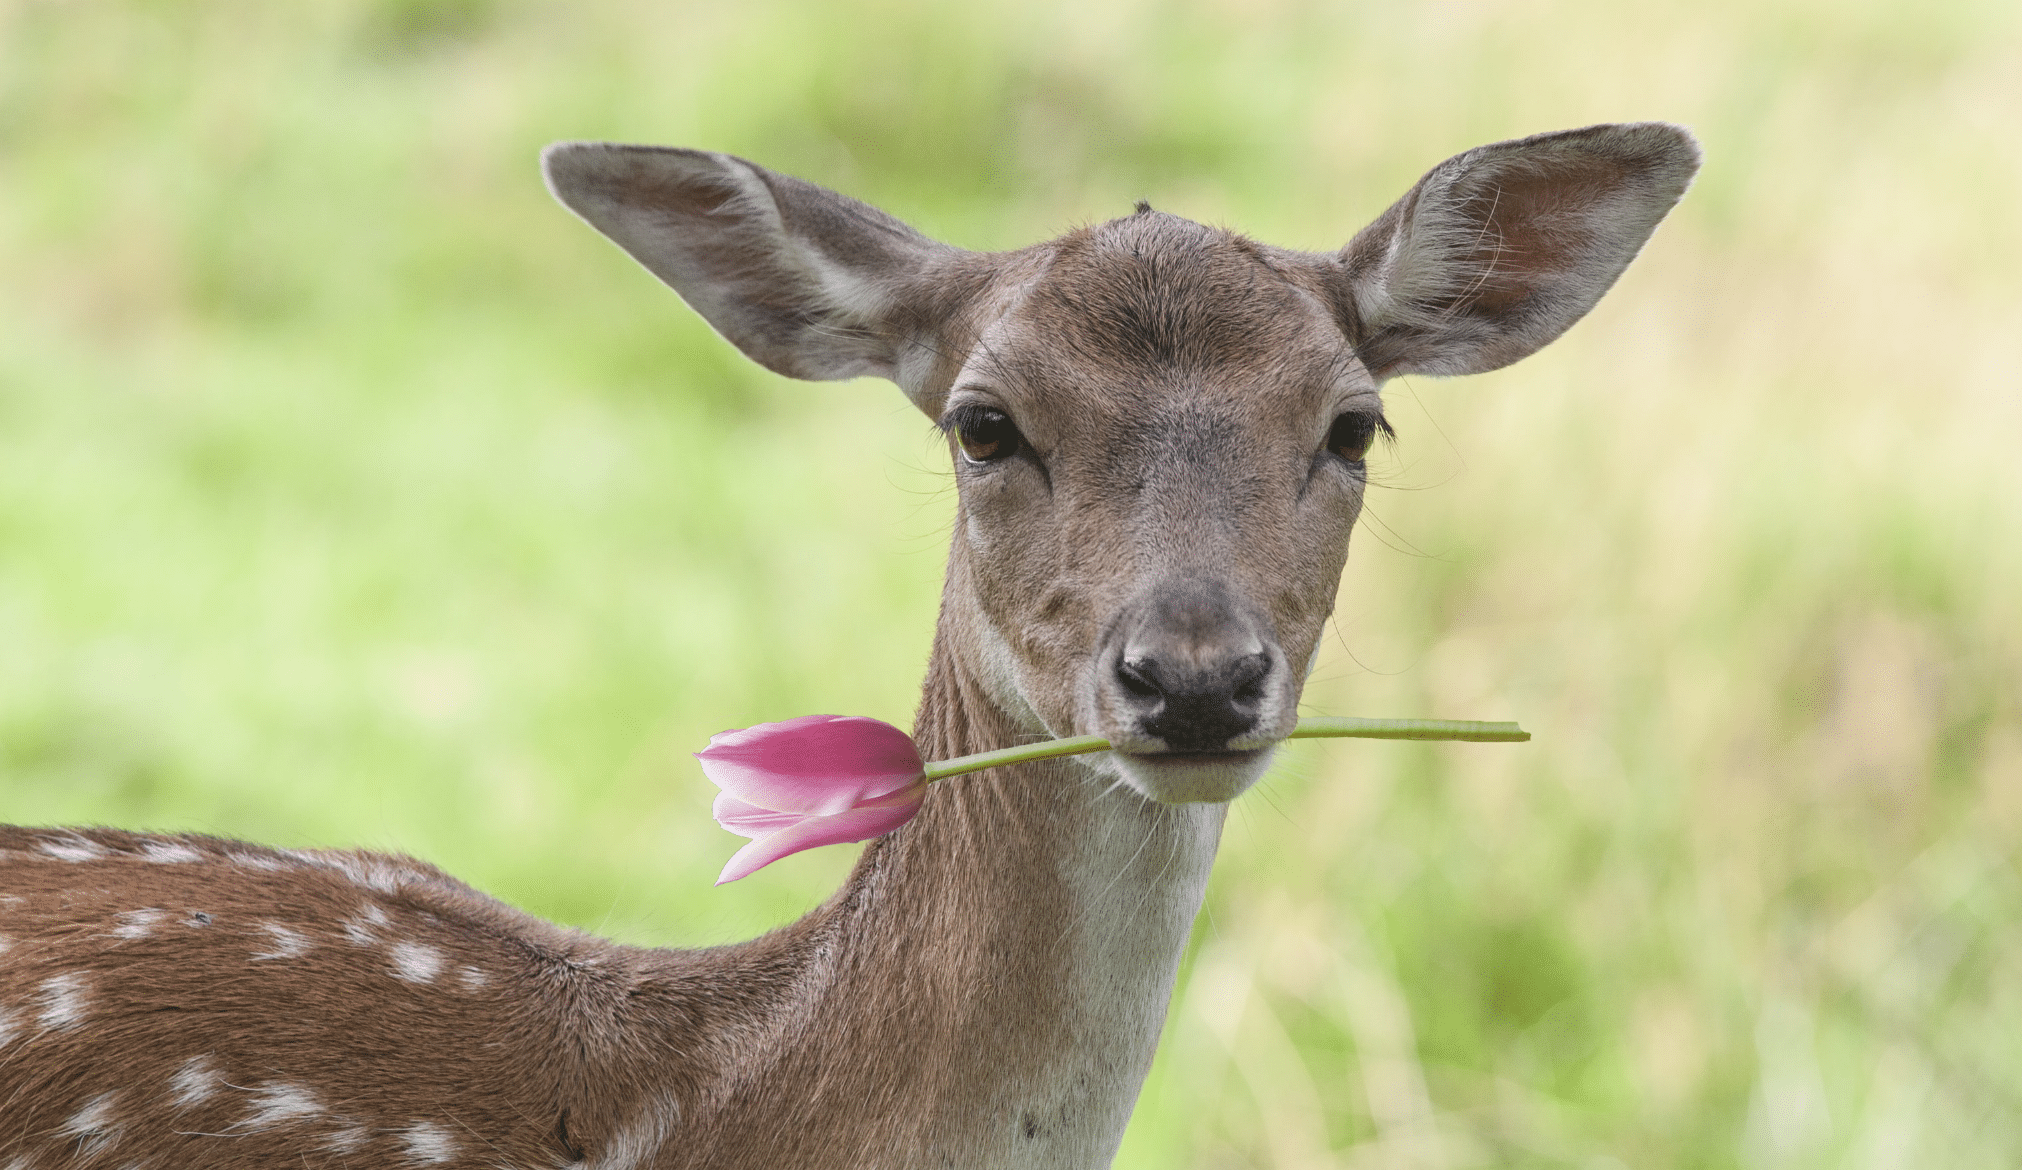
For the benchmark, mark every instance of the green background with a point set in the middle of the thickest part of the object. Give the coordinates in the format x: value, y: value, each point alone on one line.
x: 353, y: 493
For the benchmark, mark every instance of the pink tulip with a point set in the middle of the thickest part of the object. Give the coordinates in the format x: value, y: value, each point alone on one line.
x: 831, y: 779
x: 815, y: 780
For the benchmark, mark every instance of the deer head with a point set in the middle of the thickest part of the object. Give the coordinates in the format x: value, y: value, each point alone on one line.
x: 1158, y: 428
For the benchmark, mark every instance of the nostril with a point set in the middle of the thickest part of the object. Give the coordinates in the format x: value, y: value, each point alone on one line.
x: 1247, y: 678
x: 1139, y: 676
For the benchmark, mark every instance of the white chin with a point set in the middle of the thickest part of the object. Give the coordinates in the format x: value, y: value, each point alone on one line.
x: 1192, y: 778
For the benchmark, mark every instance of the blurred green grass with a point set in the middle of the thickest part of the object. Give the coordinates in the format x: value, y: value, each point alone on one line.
x: 353, y: 493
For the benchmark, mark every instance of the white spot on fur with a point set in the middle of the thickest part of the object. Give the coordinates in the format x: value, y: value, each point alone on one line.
x: 365, y: 873
x: 19, y: 1163
x: 257, y: 861
x: 348, y: 1140
x: 361, y: 869
x: 12, y: 900
x: 362, y: 928
x: 635, y: 1145
x: 6, y: 1027
x: 415, y: 962
x: 136, y: 923
x: 169, y: 853
x: 92, y: 1126
x: 287, y: 944
x: 194, y: 1083
x: 62, y: 1001
x: 6, y: 944
x: 274, y: 1104
x: 428, y: 1144
x: 381, y: 876
x: 472, y: 978
x: 71, y: 848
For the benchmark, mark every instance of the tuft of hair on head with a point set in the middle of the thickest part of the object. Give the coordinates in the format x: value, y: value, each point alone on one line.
x: 1143, y: 205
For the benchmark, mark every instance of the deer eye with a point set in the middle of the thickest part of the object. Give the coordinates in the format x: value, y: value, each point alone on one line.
x: 1352, y: 433
x: 985, y: 435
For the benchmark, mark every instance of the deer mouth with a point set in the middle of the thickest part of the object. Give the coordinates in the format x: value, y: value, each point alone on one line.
x: 1187, y: 757
x: 1193, y: 777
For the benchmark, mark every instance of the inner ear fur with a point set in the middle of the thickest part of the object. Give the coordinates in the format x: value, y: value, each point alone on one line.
x: 1497, y: 251
x: 808, y: 283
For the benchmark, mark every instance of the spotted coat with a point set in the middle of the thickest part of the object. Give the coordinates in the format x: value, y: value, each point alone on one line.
x: 312, y: 1008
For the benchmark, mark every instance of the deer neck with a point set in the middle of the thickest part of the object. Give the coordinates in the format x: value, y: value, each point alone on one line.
x: 989, y: 986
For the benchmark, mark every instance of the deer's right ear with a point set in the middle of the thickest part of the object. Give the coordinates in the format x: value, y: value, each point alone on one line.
x: 1497, y: 251
x: 806, y: 282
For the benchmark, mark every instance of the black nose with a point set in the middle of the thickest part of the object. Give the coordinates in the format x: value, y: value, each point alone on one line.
x: 1195, y: 706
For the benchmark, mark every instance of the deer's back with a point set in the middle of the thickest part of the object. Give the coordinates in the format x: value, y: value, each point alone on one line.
x: 185, y: 1001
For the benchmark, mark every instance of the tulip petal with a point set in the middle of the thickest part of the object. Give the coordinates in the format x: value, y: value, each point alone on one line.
x: 749, y: 820
x: 859, y: 824
x: 818, y: 764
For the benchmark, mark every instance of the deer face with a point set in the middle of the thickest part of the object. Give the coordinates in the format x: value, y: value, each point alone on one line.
x: 1159, y: 445
x: 1157, y: 428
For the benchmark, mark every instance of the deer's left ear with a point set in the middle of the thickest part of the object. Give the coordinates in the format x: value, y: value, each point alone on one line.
x: 1497, y: 251
x: 808, y: 283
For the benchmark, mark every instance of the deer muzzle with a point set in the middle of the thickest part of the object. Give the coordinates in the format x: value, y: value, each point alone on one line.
x: 1196, y: 692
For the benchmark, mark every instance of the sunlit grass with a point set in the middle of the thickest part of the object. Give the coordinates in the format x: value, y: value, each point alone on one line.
x: 353, y: 493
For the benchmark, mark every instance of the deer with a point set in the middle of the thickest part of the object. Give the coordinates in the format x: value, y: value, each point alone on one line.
x: 1159, y: 434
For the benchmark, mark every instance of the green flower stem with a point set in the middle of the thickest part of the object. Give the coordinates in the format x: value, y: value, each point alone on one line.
x: 1045, y: 749
x: 1317, y: 727
x: 1466, y: 730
